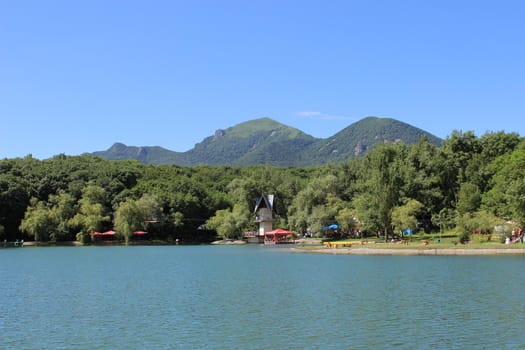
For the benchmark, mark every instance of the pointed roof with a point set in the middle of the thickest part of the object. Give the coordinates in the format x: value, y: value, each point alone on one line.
x: 265, y: 201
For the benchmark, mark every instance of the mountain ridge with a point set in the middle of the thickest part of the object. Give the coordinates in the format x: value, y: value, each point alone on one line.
x: 266, y: 141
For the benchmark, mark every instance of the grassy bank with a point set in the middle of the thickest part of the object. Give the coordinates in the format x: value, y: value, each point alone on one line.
x: 423, y: 244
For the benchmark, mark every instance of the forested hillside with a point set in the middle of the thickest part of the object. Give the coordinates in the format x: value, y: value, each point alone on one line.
x: 362, y: 136
x: 468, y: 183
x: 266, y: 142
x: 260, y: 141
x: 148, y: 155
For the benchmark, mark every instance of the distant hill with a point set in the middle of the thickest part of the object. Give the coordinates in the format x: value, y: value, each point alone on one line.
x: 363, y: 135
x: 266, y: 141
x: 148, y: 155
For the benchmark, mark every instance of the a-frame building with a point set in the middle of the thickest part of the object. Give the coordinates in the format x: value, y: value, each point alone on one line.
x: 264, y: 216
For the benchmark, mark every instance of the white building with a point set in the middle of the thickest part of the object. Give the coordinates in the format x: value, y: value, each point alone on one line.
x: 264, y: 216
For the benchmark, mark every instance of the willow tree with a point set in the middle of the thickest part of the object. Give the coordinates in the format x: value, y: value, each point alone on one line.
x: 64, y: 208
x: 132, y: 215
x: 38, y: 221
x: 380, y: 186
x: 49, y: 220
x: 92, y: 214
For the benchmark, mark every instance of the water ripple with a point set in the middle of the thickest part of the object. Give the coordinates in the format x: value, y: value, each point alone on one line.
x: 256, y: 298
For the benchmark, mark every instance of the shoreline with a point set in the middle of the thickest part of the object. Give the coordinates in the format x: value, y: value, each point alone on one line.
x: 410, y: 251
x: 319, y: 249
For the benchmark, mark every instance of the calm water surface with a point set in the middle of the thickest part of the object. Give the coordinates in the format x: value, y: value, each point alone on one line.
x: 256, y: 297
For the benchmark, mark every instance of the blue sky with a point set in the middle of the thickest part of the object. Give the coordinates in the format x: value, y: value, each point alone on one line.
x: 77, y: 76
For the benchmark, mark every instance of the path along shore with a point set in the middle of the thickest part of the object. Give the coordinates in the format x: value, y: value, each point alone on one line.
x: 409, y: 251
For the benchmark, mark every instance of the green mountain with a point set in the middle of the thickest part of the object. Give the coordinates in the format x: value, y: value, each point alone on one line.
x: 266, y: 141
x: 259, y: 141
x: 356, y: 139
x: 148, y: 155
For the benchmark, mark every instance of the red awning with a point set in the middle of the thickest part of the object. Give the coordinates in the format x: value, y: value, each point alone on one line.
x: 108, y: 233
x: 139, y: 232
x: 279, y: 232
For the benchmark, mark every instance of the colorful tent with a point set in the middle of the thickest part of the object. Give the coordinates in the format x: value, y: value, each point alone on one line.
x: 277, y: 236
x: 280, y: 231
x: 105, y: 236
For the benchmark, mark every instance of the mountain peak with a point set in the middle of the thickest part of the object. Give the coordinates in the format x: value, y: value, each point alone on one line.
x: 117, y: 146
x: 248, y: 128
x: 266, y: 141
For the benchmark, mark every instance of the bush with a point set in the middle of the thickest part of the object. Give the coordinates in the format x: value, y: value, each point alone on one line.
x: 464, y: 236
x: 84, y: 238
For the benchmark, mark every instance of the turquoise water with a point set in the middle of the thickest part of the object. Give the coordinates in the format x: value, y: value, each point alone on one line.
x: 256, y: 297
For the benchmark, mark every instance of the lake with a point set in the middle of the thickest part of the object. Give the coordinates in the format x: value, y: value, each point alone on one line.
x: 257, y: 297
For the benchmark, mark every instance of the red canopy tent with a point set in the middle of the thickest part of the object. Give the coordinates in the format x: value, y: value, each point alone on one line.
x: 140, y: 235
x: 278, y: 236
x: 107, y: 235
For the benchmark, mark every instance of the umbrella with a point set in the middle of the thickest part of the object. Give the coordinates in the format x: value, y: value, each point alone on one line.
x: 333, y: 226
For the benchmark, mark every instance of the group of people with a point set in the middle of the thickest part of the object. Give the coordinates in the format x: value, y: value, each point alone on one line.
x: 516, y: 236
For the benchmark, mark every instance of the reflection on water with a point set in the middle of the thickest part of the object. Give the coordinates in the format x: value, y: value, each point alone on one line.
x: 256, y: 297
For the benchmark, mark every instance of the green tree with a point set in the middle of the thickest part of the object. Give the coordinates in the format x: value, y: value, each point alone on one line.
x: 15, y: 194
x: 506, y: 195
x: 51, y: 220
x: 380, y: 189
x: 420, y: 171
x: 469, y: 198
x: 346, y: 218
x: 132, y: 215
x: 63, y: 208
x: 456, y: 153
x: 480, y: 221
x: 405, y: 216
x: 177, y: 219
x: 92, y: 215
x: 495, y: 144
x: 39, y: 222
x: 445, y: 219
x: 230, y: 223
x: 315, y: 205
x: 127, y: 219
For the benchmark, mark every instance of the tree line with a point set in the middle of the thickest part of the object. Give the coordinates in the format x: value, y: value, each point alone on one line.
x: 468, y: 183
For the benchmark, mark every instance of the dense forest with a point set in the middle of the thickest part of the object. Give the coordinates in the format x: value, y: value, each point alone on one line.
x: 468, y: 183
